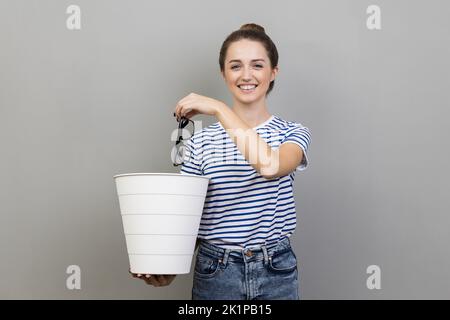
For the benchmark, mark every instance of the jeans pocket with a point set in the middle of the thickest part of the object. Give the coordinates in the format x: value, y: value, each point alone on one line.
x: 205, y: 266
x: 283, y: 261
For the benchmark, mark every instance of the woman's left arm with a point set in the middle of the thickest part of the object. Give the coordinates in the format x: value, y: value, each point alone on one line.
x: 270, y: 163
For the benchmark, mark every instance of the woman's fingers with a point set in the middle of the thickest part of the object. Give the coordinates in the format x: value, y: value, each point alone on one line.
x: 185, y: 111
x: 166, y: 279
x: 158, y: 280
x: 140, y: 275
x: 135, y: 275
x: 182, y: 110
x: 149, y: 279
x: 162, y: 280
x: 175, y: 112
x: 153, y: 281
x: 178, y: 112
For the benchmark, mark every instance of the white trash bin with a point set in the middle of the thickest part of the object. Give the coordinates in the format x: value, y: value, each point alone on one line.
x: 161, y: 215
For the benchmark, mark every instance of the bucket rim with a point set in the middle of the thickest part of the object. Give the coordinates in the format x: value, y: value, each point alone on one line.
x: 159, y: 174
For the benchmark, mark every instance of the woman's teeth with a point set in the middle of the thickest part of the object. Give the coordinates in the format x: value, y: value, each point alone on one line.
x: 247, y: 88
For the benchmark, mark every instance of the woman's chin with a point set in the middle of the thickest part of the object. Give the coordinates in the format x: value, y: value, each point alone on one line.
x: 247, y: 99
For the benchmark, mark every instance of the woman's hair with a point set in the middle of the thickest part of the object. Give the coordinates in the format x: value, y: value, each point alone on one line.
x: 251, y: 31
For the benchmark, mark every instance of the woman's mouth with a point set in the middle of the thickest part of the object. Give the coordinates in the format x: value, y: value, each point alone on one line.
x: 247, y: 88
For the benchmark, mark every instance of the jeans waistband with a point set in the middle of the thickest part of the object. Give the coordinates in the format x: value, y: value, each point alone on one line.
x: 254, y: 253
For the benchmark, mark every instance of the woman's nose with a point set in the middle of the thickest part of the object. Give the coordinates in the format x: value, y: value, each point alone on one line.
x: 246, y: 74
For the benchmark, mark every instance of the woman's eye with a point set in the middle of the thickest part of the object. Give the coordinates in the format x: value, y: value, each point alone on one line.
x: 256, y: 65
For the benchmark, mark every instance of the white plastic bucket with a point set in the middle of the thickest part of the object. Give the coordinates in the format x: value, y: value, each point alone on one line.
x: 161, y: 215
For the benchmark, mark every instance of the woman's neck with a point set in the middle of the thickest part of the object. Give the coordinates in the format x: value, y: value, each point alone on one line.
x: 252, y: 115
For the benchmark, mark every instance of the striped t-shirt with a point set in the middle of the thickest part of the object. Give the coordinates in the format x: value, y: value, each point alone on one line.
x: 243, y: 209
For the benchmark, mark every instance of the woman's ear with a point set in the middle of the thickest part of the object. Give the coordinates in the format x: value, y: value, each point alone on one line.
x: 274, y: 73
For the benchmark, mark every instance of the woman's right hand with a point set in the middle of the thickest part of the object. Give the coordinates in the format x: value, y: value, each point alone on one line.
x: 157, y: 280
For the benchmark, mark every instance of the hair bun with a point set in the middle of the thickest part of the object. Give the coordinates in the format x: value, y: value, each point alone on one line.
x: 253, y: 27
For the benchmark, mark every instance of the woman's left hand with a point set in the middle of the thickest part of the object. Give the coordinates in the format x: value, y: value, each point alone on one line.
x: 194, y: 104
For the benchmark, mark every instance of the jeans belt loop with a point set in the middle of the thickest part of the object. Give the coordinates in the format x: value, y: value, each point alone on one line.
x: 225, y: 256
x: 266, y: 255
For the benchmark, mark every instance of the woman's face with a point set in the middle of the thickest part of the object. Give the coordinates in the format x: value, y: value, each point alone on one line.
x: 246, y: 62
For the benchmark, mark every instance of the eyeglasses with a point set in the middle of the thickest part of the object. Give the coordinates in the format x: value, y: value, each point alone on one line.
x: 179, y: 150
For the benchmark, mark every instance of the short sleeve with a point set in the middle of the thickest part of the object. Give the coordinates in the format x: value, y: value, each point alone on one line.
x: 301, y: 136
x: 191, y: 160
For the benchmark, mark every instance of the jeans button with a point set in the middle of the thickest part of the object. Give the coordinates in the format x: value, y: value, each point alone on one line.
x: 249, y: 253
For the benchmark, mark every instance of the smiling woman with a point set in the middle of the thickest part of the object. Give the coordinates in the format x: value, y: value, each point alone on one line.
x: 268, y: 56
x: 250, y: 156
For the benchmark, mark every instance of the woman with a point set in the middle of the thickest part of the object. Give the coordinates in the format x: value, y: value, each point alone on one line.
x: 251, y: 157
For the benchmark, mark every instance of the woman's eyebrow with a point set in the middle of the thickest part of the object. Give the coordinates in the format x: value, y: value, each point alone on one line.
x: 236, y: 60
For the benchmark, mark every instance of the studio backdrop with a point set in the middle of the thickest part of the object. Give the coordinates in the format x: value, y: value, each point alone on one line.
x: 87, y: 91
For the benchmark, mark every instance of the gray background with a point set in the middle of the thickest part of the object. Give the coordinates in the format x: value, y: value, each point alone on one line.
x: 77, y: 107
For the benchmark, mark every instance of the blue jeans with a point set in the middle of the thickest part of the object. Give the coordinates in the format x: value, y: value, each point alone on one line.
x: 257, y: 274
